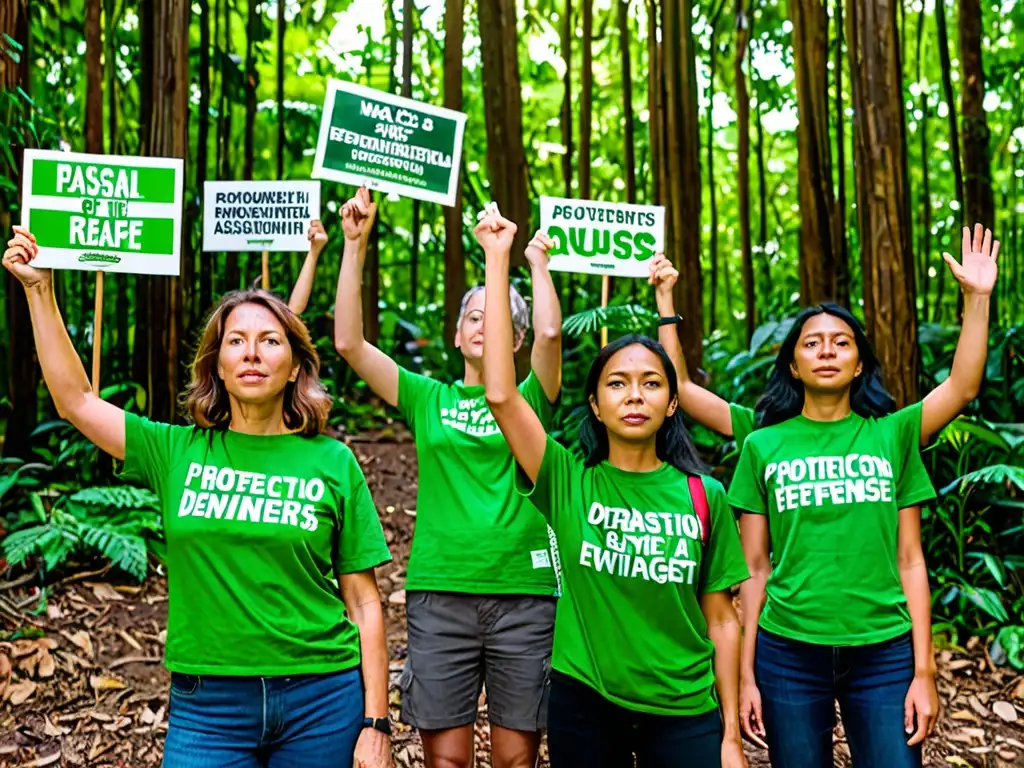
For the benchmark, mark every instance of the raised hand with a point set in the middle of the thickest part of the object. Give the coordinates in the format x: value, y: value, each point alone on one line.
x: 21, y: 250
x: 495, y: 233
x: 977, y: 269
x: 357, y: 214
x: 538, y: 249
x: 317, y: 236
x: 662, y: 275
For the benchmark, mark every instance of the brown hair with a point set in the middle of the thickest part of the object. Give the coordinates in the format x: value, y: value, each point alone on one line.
x: 306, y: 402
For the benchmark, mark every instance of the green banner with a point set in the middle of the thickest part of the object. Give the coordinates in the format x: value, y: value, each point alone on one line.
x: 389, y: 143
x: 56, y: 178
x: 63, y: 229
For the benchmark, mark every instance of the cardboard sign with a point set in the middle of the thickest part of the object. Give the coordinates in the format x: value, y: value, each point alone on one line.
x: 602, y: 238
x: 259, y: 215
x: 389, y: 143
x: 104, y: 212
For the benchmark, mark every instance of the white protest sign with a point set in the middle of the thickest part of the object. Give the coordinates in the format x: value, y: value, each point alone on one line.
x: 104, y: 212
x: 602, y: 238
x: 259, y: 215
x: 389, y: 143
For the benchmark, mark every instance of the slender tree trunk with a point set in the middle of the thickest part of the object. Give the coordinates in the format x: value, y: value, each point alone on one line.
x: 655, y: 103
x: 742, y: 14
x: 94, y: 77
x: 883, y: 207
x: 250, y: 88
x: 629, y: 137
x: 586, y: 98
x: 712, y: 198
x: 407, y: 54
x: 567, y: 31
x: 978, y: 199
x: 281, y: 27
x: 506, y: 156
x: 166, y: 136
x: 842, y: 260
x: 454, y: 257
x: 818, y: 241
x: 925, y: 239
x: 954, y: 137
x: 203, y: 153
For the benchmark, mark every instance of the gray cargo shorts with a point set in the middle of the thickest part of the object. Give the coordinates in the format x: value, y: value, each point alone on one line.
x: 459, y: 642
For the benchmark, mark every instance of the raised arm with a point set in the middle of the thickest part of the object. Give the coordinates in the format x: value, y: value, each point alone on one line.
x: 977, y: 277
x: 299, y: 299
x: 521, y: 427
x: 699, y: 404
x: 101, y: 422
x: 546, y: 357
x: 373, y: 366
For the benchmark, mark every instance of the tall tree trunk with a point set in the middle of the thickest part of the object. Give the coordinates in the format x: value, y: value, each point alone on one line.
x: 887, y: 260
x: 586, y: 98
x: 407, y: 53
x: 232, y: 275
x: 655, y: 104
x: 22, y: 361
x: 629, y: 137
x: 166, y: 131
x: 94, y: 77
x: 954, y: 137
x: 762, y: 195
x: 281, y: 26
x: 712, y: 198
x: 252, y: 19
x: 979, y: 203
x: 110, y: 24
x: 818, y: 241
x: 503, y: 115
x: 742, y: 14
x: 925, y: 238
x: 839, y: 212
x: 454, y: 257
x: 681, y: 146
x: 203, y: 153
x: 566, y: 44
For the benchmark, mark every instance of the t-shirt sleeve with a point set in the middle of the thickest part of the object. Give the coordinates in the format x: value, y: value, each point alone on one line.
x: 724, y: 564
x: 533, y: 392
x: 552, y: 492
x: 149, y: 451
x: 913, y: 485
x: 362, y: 544
x: 743, y: 419
x: 747, y: 491
x: 414, y: 390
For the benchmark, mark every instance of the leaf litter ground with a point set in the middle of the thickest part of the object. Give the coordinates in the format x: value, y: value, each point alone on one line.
x: 85, y: 686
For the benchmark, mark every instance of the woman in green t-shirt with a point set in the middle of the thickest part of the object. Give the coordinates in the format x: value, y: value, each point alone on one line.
x: 482, y: 580
x: 838, y: 605
x: 646, y: 634
x: 275, y: 638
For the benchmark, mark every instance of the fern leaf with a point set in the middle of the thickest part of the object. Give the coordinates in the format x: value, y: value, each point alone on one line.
x: 118, y: 497
x: 126, y: 550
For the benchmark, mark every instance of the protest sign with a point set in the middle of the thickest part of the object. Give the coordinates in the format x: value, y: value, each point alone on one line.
x: 259, y: 215
x: 602, y: 238
x: 389, y: 143
x: 104, y: 212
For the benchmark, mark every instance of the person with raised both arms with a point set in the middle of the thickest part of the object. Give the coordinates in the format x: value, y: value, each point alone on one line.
x: 275, y: 637
x: 838, y: 606
x: 481, y: 585
x: 647, y: 643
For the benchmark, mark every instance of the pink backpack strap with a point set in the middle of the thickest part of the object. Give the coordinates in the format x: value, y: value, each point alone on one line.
x: 699, y: 497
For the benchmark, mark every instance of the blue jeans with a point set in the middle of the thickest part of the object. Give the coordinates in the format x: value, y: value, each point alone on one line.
x: 303, y: 721
x: 800, y: 683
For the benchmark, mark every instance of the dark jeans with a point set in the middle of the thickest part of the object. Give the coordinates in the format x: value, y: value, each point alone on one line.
x: 800, y: 683
x: 585, y: 730
x: 304, y: 721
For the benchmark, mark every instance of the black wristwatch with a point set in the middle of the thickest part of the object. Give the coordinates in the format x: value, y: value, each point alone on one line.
x: 382, y: 724
x: 671, y: 320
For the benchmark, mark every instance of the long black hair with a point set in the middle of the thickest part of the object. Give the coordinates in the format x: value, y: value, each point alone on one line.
x: 673, y: 443
x: 784, y: 396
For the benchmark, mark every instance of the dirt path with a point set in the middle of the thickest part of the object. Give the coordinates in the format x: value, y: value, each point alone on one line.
x: 88, y: 688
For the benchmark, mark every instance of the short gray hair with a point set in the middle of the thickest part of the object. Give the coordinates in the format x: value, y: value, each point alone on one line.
x: 520, y: 312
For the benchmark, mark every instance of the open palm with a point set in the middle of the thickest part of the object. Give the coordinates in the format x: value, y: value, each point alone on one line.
x: 976, y: 272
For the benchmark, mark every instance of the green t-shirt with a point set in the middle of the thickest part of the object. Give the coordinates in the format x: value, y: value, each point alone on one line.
x: 257, y: 529
x: 629, y: 622
x: 744, y: 421
x: 832, y: 492
x: 474, y: 533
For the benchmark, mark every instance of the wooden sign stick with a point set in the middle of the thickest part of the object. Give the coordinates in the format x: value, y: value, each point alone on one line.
x: 266, y: 271
x: 97, y: 334
x: 605, y: 281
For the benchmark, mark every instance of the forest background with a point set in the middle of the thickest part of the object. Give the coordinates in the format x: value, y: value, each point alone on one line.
x: 804, y: 151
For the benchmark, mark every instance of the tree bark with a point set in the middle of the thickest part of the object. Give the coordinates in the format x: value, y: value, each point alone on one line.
x: 232, y: 277
x: 839, y: 212
x: 712, y: 197
x: 742, y: 14
x: 629, y: 133
x: 925, y: 235
x: 883, y: 207
x: 954, y: 136
x: 586, y: 98
x: 978, y: 199
x: 655, y: 103
x: 506, y: 157
x: 818, y: 240
x: 407, y: 53
x: 203, y: 153
x: 94, y: 78
x: 251, y: 74
x: 454, y: 257
x: 281, y: 26
x: 567, y: 141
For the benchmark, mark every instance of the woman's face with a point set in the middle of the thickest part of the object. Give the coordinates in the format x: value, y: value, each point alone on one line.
x: 255, y: 360
x: 826, y: 358
x: 633, y: 397
x: 469, y: 337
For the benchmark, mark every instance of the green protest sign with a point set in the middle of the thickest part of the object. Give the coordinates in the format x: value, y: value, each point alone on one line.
x: 104, y: 212
x: 389, y: 143
x: 602, y: 238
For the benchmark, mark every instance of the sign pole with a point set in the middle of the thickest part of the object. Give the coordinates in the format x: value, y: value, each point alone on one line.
x: 266, y: 271
x: 605, y: 281
x: 97, y: 334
